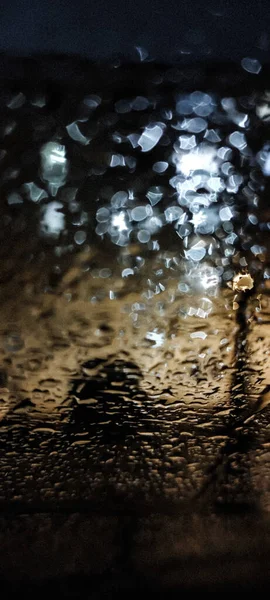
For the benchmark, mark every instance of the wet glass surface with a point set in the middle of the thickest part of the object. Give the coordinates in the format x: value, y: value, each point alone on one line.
x: 135, y: 291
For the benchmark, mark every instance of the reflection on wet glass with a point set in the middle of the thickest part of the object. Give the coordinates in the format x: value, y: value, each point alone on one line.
x: 134, y: 283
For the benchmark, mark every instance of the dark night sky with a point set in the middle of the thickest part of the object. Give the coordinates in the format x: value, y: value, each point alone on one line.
x: 168, y: 29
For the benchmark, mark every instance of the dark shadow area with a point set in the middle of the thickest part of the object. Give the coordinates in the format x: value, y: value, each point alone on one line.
x: 106, y: 398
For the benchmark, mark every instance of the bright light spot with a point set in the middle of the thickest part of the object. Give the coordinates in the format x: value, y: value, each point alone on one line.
x: 54, y: 166
x: 242, y: 282
x: 199, y: 159
x: 198, y: 334
x: 266, y: 166
x: 53, y: 221
x: 209, y: 278
x: 127, y: 272
x: 119, y: 221
x: 156, y: 337
x: 262, y: 108
x: 240, y: 119
x: 199, y: 218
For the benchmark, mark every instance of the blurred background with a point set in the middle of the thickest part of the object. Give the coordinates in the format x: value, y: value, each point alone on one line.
x: 168, y: 31
x: 134, y: 364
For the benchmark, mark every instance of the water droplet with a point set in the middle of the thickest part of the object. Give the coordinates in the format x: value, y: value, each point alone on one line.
x: 75, y: 133
x: 198, y: 335
x: 150, y: 137
x: 160, y: 167
x: 13, y: 342
x: 80, y: 237
x: 17, y: 101
x: 14, y: 198
x: 196, y: 252
x: 139, y: 213
x: 238, y: 140
x: 251, y: 65
x: 140, y: 103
